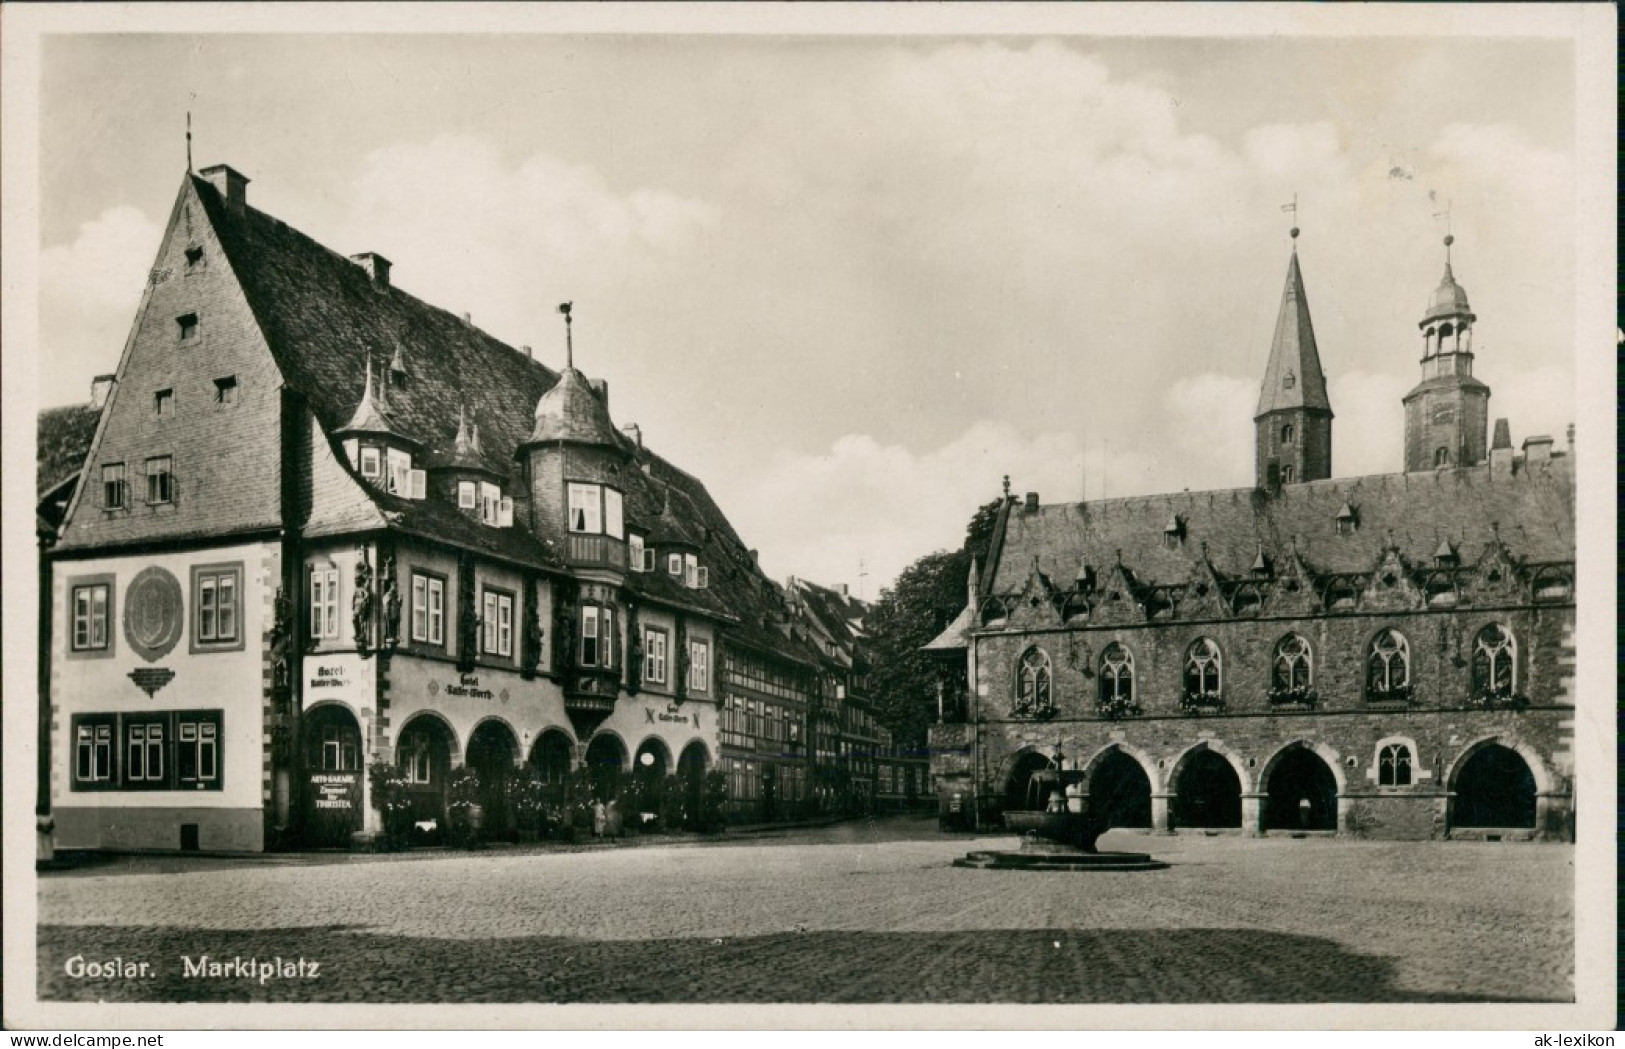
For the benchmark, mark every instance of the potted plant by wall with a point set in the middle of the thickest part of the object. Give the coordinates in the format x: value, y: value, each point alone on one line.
x: 527, y: 800
x: 464, y: 813
x: 389, y: 797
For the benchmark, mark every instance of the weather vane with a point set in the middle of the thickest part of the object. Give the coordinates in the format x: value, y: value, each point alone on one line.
x: 1293, y: 207
x: 569, y: 345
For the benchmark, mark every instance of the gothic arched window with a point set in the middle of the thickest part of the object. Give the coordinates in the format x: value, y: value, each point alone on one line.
x: 1286, y: 434
x: 1033, y: 682
x: 1495, y: 661
x: 1203, y: 669
x: 1116, y: 674
x: 1388, y: 666
x: 1441, y: 457
x: 1292, y: 670
x: 1394, y: 765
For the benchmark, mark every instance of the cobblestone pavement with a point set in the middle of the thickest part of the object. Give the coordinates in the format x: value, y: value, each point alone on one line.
x: 865, y: 912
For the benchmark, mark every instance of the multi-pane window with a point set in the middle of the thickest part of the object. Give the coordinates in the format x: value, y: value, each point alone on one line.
x: 143, y: 752
x: 1291, y: 670
x: 339, y: 748
x: 1033, y: 680
x: 1388, y: 664
x: 468, y: 495
x: 1394, y: 765
x: 324, y: 602
x: 674, y: 564
x: 218, y: 603
x: 90, y: 617
x: 1116, y: 674
x: 596, y: 510
x: 400, y: 472
x: 160, y: 480
x: 1494, y: 661
x: 372, y: 467
x: 197, y: 750
x: 634, y: 552
x: 497, y: 618
x: 654, y: 656
x: 114, y: 492
x: 93, y: 751
x: 1203, y: 669
x: 614, y: 513
x: 597, y: 636
x: 699, y: 666
x: 428, y: 609
x: 490, y: 502
x: 416, y: 757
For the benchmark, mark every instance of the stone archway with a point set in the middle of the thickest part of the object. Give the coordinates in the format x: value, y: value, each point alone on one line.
x: 333, y: 791
x: 493, y: 753
x: 552, y: 756
x: 1207, y: 791
x: 606, y: 760
x: 1120, y: 788
x: 650, y: 766
x: 691, y: 767
x: 1494, y: 787
x: 1301, y: 791
x: 423, y: 754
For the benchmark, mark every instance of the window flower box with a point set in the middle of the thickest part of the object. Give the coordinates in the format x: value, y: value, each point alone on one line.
x: 1497, y: 699
x: 1299, y: 696
x: 1196, y: 702
x: 1395, y: 694
x: 1117, y: 708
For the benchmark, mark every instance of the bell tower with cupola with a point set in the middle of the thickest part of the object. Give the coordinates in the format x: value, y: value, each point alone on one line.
x: 1293, y: 423
x: 1447, y: 412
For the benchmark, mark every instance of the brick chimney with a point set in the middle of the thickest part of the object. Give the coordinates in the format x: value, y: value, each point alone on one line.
x: 231, y: 184
x: 1537, y: 449
x: 601, y: 388
x: 634, y: 431
x: 1501, y: 453
x: 376, y: 265
x: 1032, y: 502
x: 100, y: 387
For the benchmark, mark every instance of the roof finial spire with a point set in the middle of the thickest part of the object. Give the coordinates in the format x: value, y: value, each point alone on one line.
x: 188, y: 141
x: 1293, y: 207
x: 1449, y: 235
x: 569, y: 345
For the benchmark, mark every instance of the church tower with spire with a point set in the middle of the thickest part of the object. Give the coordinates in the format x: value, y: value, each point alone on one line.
x: 1447, y: 412
x: 1293, y: 422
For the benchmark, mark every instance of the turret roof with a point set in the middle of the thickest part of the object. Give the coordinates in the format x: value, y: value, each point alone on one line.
x: 1293, y: 378
x: 573, y: 411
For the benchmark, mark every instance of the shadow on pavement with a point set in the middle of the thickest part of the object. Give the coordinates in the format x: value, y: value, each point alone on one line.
x: 1054, y: 966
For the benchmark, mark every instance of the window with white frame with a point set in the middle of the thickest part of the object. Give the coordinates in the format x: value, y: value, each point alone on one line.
x: 93, y: 750
x: 197, y: 750
x: 143, y: 752
x: 1116, y: 674
x: 160, y: 480
x: 596, y: 510
x: 324, y: 601
x: 654, y: 655
x: 415, y: 757
x: 597, y: 636
x: 371, y: 463
x: 634, y: 552
x: 490, y: 502
x: 339, y: 748
x: 1388, y: 664
x: 400, y: 472
x: 468, y: 495
x: 498, y: 622
x: 218, y: 600
x: 674, y: 564
x: 428, y: 608
x: 1292, y: 669
x: 90, y: 616
x: 1203, y: 669
x: 115, y: 492
x: 699, y: 666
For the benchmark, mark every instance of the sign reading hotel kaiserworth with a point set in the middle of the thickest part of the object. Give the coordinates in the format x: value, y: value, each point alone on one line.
x: 673, y: 714
x: 343, y: 677
x: 467, y: 685
x: 327, y: 677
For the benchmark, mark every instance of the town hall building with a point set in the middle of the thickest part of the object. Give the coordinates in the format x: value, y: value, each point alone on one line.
x: 1386, y: 656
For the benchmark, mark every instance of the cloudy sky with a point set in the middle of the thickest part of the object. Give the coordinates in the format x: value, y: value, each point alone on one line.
x: 852, y: 281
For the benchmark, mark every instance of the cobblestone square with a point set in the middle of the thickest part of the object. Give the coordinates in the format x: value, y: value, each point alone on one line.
x: 861, y: 912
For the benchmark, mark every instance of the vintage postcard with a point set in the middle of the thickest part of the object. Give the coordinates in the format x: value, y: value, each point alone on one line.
x: 989, y: 516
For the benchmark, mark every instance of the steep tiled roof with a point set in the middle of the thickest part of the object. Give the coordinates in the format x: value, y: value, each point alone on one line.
x: 1293, y: 378
x: 323, y: 315
x: 64, y: 436
x: 1532, y: 512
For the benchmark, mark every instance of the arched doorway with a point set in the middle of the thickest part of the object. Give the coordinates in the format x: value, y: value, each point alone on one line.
x: 551, y: 757
x: 1207, y: 792
x: 606, y: 759
x: 423, y: 753
x: 1495, y: 788
x: 691, y: 770
x: 1121, y: 790
x: 493, y: 751
x: 333, y: 806
x: 1302, y: 792
x: 650, y: 767
x: 1028, y: 787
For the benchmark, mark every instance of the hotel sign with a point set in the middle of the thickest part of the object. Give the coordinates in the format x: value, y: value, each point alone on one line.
x: 467, y: 685
x: 671, y: 715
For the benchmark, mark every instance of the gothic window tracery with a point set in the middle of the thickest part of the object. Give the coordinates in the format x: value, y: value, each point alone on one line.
x: 1204, y: 669
x: 1388, y: 665
x: 1116, y: 674
x: 1033, y: 679
x: 1494, y: 661
x: 1394, y: 765
x: 1293, y: 667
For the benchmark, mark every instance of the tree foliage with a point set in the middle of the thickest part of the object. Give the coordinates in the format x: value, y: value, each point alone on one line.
x: 925, y: 599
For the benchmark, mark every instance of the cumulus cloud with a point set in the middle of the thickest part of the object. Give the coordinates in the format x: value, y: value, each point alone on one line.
x: 89, y: 290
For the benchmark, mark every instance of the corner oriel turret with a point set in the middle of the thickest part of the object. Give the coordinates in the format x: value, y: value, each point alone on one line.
x: 1447, y: 412
x: 1293, y: 424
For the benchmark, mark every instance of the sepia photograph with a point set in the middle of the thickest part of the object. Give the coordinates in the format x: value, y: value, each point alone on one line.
x: 1034, y: 509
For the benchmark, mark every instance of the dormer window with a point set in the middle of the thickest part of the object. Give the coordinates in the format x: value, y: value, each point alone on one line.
x: 674, y: 565
x: 635, y: 553
x: 371, y: 463
x: 468, y: 495
x: 399, y: 480
x: 596, y: 510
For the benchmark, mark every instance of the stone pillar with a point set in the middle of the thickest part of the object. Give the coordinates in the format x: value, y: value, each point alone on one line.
x: 1252, y: 823
x: 1160, y: 813
x: 1551, y: 812
x: 1345, y: 816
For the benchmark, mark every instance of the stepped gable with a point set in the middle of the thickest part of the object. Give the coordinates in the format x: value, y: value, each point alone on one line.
x: 1531, y: 511
x: 63, y: 435
x: 323, y: 315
